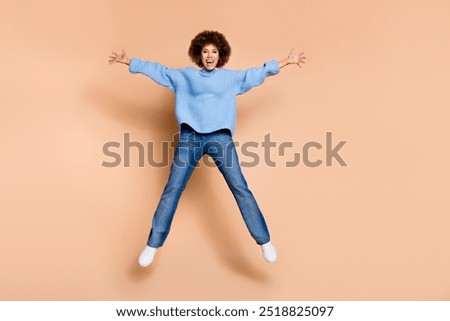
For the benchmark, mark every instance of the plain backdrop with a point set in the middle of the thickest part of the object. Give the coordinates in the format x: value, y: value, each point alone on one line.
x: 376, y: 77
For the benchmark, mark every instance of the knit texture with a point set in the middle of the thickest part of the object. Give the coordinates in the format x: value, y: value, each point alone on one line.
x: 205, y: 100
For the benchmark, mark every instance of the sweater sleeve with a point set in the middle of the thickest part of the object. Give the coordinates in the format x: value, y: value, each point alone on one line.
x: 253, y: 77
x: 159, y: 73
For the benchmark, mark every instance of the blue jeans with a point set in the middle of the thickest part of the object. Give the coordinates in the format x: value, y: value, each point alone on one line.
x: 191, y: 147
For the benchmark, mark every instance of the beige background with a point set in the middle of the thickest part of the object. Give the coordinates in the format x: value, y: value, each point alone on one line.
x: 377, y: 75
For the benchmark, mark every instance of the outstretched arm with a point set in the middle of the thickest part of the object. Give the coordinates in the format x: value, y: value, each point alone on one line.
x: 119, y: 58
x: 294, y: 57
x: 255, y: 76
x: 159, y: 73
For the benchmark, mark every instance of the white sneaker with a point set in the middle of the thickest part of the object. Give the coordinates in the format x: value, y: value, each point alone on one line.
x: 147, y: 255
x: 269, y: 252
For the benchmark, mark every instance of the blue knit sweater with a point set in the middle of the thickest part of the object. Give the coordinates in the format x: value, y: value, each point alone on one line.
x: 205, y: 100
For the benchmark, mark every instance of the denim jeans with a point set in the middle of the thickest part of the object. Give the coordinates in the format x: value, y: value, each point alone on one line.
x: 191, y: 147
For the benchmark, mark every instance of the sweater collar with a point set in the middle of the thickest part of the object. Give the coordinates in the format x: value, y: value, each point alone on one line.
x: 207, y: 73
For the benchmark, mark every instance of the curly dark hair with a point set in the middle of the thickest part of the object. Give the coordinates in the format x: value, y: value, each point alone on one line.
x: 208, y: 37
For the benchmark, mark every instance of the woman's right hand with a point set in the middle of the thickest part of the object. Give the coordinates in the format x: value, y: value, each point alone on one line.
x: 119, y: 58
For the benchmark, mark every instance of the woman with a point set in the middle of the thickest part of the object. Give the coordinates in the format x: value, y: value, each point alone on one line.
x: 206, y: 113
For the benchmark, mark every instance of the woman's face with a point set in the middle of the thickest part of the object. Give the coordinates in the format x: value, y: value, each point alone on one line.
x: 210, y: 57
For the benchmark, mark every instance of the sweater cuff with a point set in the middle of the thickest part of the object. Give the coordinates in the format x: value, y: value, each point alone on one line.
x: 273, y: 67
x: 133, y: 65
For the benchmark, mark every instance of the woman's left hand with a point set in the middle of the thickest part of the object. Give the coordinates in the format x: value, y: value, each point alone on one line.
x: 297, y: 58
